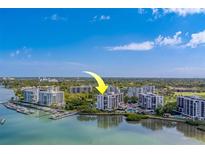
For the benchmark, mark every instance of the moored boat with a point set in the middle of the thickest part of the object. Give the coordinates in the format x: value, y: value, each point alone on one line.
x: 2, y: 121
x: 23, y: 110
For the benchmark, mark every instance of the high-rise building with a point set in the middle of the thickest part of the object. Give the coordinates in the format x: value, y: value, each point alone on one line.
x: 191, y: 106
x: 50, y: 96
x: 43, y: 95
x: 110, y: 100
x: 31, y: 94
x: 135, y: 91
x: 150, y: 101
x: 81, y: 89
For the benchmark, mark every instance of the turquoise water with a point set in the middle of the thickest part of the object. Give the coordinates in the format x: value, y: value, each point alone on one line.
x: 5, y: 94
x: 38, y: 129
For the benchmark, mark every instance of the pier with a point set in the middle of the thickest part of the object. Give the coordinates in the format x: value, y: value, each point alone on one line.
x: 62, y: 115
x: 55, y: 114
x: 25, y: 108
x: 18, y: 108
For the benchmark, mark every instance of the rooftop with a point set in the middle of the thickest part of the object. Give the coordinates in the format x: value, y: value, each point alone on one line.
x: 193, y: 97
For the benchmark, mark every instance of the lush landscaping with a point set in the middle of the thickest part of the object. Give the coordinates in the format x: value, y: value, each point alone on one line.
x: 81, y: 102
x: 86, y: 102
x: 200, y: 94
x: 136, y: 117
x: 167, y: 108
x: 195, y: 122
x: 202, y: 128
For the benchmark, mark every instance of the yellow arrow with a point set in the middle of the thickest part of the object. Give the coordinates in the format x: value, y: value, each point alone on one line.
x: 101, y: 85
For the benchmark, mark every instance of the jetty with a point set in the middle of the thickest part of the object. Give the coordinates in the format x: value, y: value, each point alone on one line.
x: 27, y: 109
x: 59, y: 115
x: 19, y: 109
x: 36, y: 107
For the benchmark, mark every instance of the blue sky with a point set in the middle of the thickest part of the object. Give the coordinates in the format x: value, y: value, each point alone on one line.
x: 110, y: 42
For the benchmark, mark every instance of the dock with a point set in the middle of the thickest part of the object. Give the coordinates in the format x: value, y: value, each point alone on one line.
x: 57, y: 116
x: 24, y: 108
x: 19, y: 109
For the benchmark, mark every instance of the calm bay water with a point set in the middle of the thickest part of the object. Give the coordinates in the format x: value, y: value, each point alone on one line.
x: 38, y: 129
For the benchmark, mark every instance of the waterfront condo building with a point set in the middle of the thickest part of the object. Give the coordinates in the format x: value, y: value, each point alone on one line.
x: 110, y: 100
x: 191, y: 106
x: 50, y: 96
x: 43, y: 95
x: 150, y: 101
x: 31, y: 94
x: 135, y: 91
x: 81, y: 89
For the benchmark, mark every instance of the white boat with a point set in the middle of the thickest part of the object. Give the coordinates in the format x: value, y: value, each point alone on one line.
x: 2, y: 121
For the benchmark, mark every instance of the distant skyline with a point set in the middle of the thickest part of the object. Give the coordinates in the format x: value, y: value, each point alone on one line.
x: 110, y: 42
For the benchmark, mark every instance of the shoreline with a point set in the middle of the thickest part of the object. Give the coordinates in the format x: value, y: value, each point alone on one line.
x: 107, y: 114
x: 124, y: 114
x: 111, y: 114
x: 167, y: 119
x: 118, y: 114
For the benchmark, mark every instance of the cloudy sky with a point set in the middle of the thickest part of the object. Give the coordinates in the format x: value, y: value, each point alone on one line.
x: 110, y: 42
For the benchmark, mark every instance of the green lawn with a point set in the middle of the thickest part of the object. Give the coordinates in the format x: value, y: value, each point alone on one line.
x: 168, y: 99
x: 200, y: 94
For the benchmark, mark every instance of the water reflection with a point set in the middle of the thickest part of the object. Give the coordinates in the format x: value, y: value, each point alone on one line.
x: 102, y: 121
x: 155, y: 124
x: 109, y: 121
x: 106, y: 122
x: 40, y: 114
x: 86, y: 118
x: 187, y: 130
x: 191, y: 131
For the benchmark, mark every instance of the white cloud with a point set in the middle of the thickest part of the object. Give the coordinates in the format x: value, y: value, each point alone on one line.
x: 157, y: 13
x: 16, y: 53
x: 95, y: 17
x: 23, y: 52
x: 55, y: 17
x: 100, y: 18
x: 169, y: 41
x: 141, y: 10
x: 196, y: 39
x: 184, y: 11
x: 103, y: 17
x: 148, y: 45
